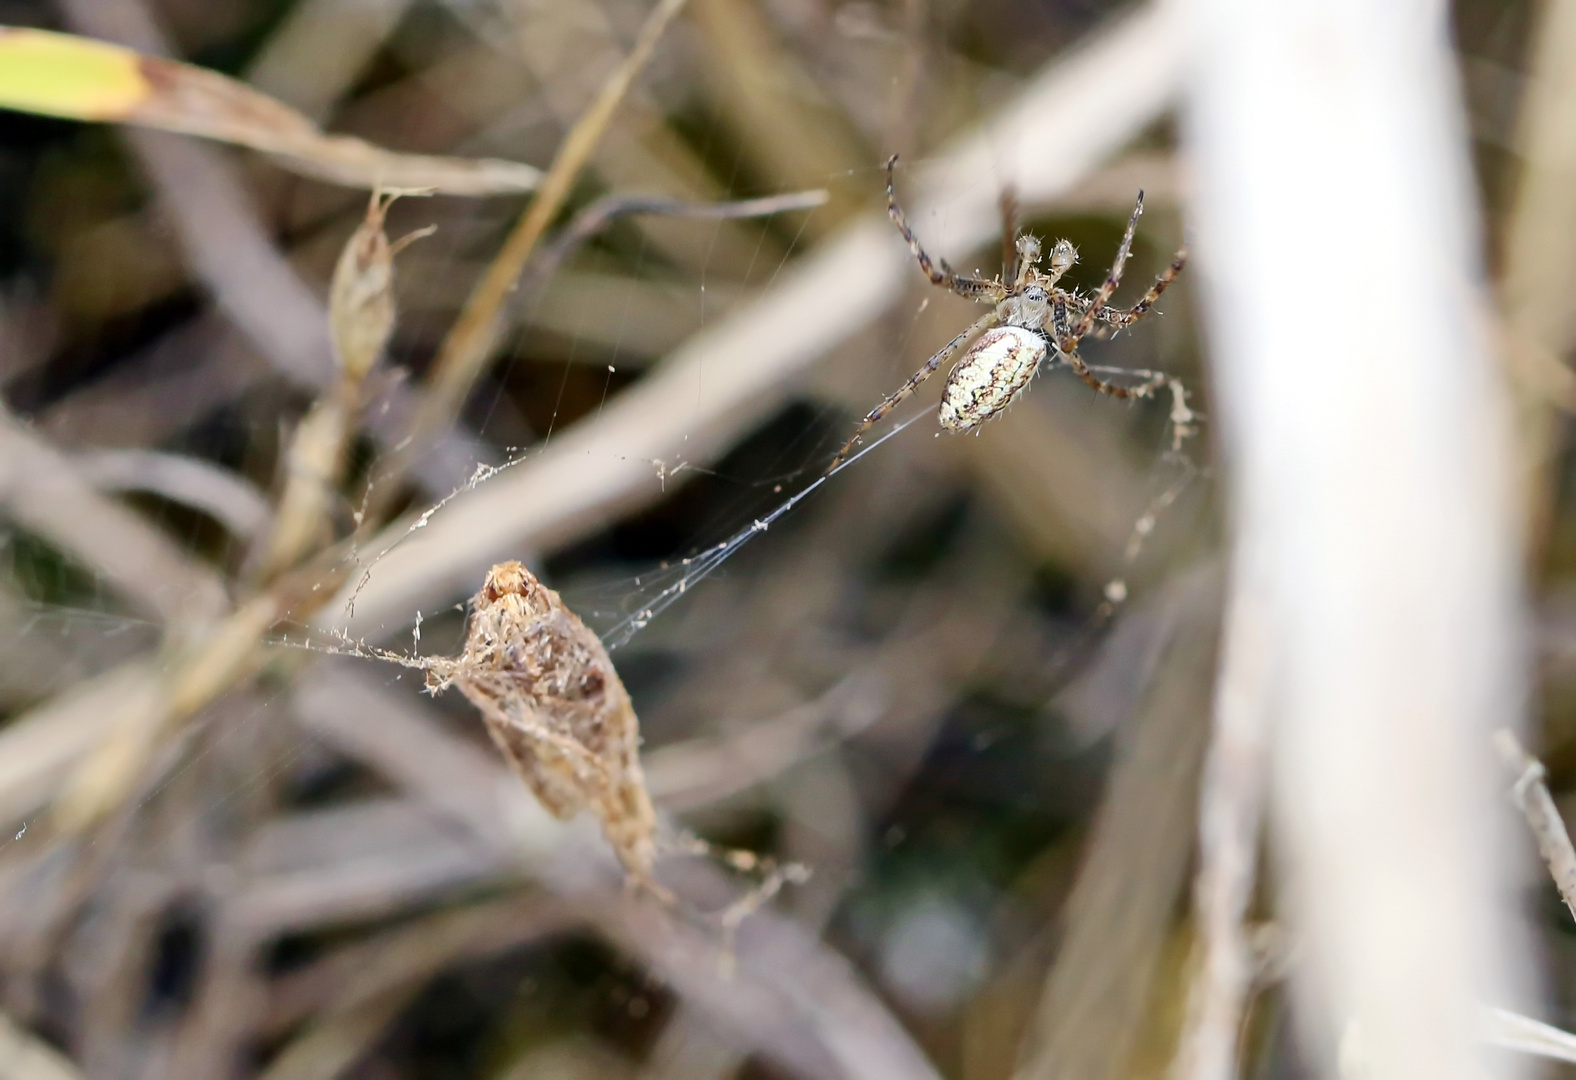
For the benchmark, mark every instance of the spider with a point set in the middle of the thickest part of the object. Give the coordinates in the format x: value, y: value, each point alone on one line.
x: 1030, y: 315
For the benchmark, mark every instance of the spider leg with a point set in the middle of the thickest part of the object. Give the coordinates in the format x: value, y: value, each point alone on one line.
x: 1121, y: 319
x: 974, y: 288
x: 1009, y: 233
x: 1112, y: 280
x: 1152, y: 380
x: 1067, y: 350
x: 1067, y: 335
x: 904, y: 392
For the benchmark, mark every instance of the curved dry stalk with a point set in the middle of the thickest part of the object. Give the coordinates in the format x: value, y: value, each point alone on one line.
x: 361, y: 319
x: 227, y: 497
x: 598, y: 215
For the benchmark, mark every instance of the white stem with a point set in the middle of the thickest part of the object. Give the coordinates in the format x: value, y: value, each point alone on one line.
x: 1368, y: 459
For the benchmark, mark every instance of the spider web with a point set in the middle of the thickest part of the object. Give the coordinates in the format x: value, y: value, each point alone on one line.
x: 620, y: 608
x: 626, y: 595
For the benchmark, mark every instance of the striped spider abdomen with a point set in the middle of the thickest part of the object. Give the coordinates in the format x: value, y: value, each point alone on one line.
x: 991, y: 374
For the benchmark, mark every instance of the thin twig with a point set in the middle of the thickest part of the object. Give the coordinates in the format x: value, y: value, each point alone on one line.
x: 1532, y: 798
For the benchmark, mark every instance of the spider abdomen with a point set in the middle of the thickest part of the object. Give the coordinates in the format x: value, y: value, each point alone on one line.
x: 993, y: 372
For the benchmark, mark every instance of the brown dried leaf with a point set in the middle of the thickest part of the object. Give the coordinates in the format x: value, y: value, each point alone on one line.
x: 556, y: 709
x: 361, y: 298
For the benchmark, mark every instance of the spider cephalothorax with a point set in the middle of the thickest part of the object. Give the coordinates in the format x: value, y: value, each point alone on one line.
x: 1030, y: 317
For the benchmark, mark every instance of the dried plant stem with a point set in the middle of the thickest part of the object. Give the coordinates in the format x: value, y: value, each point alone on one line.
x: 361, y: 318
x: 191, y: 678
x: 1532, y: 798
x: 1229, y: 812
x: 1122, y: 906
x: 225, y: 496
x: 470, y: 342
x: 1391, y: 561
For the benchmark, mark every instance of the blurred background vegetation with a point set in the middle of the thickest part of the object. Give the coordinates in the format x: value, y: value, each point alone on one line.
x: 913, y: 684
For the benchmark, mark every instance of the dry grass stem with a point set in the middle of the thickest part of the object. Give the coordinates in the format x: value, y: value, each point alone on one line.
x: 598, y: 215
x: 361, y: 319
x: 227, y: 497
x: 1384, y: 533
x: 1093, y: 1002
x: 190, y: 100
x: 1229, y: 812
x: 362, y: 309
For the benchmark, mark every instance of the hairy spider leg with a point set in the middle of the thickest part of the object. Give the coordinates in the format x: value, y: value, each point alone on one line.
x: 902, y: 393
x: 1112, y: 280
x: 1062, y: 333
x: 1067, y: 337
x: 973, y: 288
x: 1009, y: 234
x: 1122, y: 319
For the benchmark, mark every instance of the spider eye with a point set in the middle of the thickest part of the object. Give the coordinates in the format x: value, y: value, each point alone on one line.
x: 1034, y: 294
